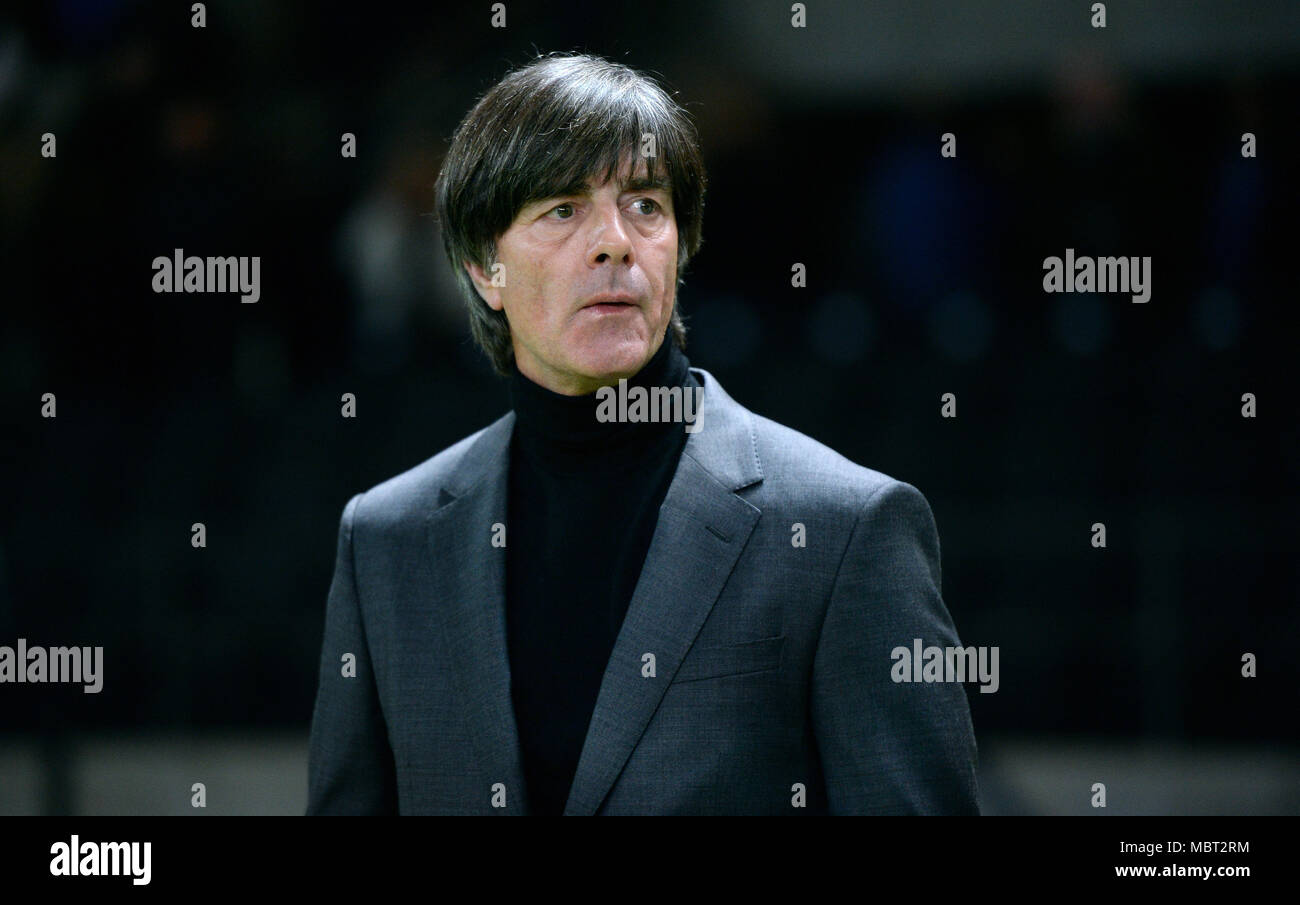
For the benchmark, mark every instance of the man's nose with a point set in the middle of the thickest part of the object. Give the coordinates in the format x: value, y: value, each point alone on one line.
x: 610, y: 240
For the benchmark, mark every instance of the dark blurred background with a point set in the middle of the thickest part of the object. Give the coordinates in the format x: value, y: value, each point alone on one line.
x: 1119, y: 665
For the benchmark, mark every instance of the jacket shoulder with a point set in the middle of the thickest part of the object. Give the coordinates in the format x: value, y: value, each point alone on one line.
x: 415, y: 492
x: 797, y: 466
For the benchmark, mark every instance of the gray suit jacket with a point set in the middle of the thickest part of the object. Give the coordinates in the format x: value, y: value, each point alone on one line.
x: 771, y: 684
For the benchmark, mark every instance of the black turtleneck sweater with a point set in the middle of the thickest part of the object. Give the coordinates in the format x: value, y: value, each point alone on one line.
x: 584, y: 501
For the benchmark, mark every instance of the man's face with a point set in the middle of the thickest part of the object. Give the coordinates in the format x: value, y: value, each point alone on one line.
x: 590, y: 281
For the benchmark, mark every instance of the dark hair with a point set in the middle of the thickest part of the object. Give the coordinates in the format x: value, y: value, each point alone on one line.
x: 545, y: 129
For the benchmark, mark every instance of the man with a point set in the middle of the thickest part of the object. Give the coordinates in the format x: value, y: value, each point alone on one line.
x: 588, y: 609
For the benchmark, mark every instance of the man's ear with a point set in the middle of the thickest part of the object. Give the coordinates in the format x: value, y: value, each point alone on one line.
x: 483, y: 283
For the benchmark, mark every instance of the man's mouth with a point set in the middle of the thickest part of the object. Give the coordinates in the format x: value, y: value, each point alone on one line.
x: 611, y: 302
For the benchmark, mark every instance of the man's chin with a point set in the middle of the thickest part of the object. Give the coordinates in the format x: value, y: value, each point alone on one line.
x: 608, y: 366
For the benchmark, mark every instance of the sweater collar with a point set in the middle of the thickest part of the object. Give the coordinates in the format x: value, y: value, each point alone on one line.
x: 555, y: 425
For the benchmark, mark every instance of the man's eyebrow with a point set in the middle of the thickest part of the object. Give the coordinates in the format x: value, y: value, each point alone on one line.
x: 637, y: 184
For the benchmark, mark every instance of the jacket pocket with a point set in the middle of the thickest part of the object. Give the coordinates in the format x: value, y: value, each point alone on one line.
x: 730, y: 660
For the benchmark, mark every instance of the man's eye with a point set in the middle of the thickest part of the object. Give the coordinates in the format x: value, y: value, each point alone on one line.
x: 654, y: 205
x: 562, y: 207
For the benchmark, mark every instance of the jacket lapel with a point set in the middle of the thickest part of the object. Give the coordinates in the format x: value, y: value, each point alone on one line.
x: 467, y: 592
x: 703, y: 527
